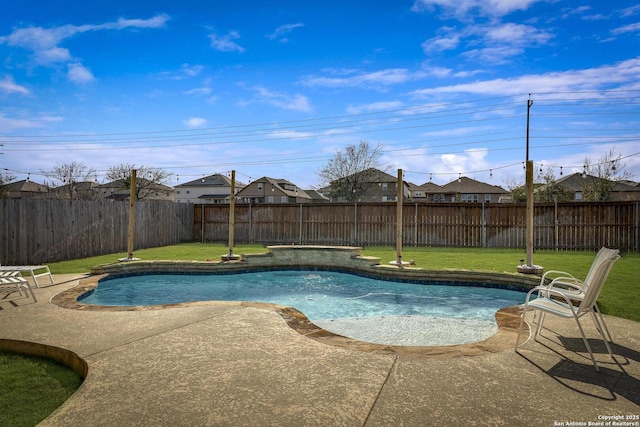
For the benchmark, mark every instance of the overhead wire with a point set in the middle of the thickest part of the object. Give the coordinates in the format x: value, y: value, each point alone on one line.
x: 424, y: 116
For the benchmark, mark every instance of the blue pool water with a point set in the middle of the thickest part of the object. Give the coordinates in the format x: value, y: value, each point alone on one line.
x: 378, y: 311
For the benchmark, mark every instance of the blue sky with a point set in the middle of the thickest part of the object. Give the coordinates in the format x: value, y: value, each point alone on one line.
x: 275, y: 88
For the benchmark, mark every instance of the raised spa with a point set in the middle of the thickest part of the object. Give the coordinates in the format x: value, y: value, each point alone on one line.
x: 366, y: 309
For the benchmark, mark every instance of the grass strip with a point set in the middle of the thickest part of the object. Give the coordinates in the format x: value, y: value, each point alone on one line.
x: 32, y: 388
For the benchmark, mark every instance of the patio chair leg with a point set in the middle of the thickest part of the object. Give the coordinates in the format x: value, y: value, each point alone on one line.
x: 597, y: 309
x: 599, y: 328
x: 524, y: 312
x: 586, y: 343
x: 540, y: 322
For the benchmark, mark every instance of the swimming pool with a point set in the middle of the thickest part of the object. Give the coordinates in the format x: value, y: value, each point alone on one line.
x: 366, y: 309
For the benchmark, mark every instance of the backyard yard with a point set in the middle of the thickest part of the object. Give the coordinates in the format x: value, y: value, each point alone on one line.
x: 618, y: 298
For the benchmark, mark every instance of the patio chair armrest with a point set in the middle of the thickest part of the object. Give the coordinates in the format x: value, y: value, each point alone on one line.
x: 557, y: 273
x: 548, y: 292
x: 565, y: 282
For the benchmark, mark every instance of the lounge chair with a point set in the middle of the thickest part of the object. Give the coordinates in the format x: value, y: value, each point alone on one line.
x: 11, y: 283
x: 31, y: 269
x: 575, y: 288
x: 556, y: 302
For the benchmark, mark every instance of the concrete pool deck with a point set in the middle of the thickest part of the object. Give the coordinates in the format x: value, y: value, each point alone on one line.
x: 217, y: 364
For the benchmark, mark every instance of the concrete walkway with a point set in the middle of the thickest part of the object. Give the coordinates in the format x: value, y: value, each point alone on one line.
x: 225, y: 364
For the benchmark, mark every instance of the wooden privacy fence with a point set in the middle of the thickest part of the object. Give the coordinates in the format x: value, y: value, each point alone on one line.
x: 39, y: 230
x: 556, y: 226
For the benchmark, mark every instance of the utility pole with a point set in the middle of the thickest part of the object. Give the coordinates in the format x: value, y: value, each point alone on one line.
x: 529, y: 267
x: 529, y: 184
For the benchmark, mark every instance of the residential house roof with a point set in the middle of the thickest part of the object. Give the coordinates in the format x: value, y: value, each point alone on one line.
x: 464, y: 185
x: 120, y: 191
x: 80, y: 189
x: 317, y: 196
x: 285, y: 187
x: 25, y: 188
x: 575, y: 183
x: 430, y: 187
x: 26, y: 185
x: 215, y: 180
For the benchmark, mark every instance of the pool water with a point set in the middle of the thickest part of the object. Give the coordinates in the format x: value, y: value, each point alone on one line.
x: 371, y: 310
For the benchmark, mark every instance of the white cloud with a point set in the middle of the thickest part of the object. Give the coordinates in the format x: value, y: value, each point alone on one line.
x: 158, y: 21
x: 497, y: 41
x: 195, y: 122
x: 376, y: 106
x: 631, y: 28
x: 464, y: 8
x: 45, y: 42
x: 78, y: 73
x: 375, y: 79
x: 626, y: 73
x: 9, y: 85
x: 225, y: 43
x: 630, y: 11
x: 8, y: 124
x: 191, y: 70
x: 494, y: 55
x: 440, y: 44
x: 516, y: 34
x: 296, y: 102
x: 290, y: 134
x: 184, y: 72
x: 472, y: 160
x: 282, y: 30
x: 198, y: 91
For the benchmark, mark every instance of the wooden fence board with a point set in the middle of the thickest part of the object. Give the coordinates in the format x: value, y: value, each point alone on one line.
x: 579, y: 225
x: 36, y: 231
x: 40, y: 230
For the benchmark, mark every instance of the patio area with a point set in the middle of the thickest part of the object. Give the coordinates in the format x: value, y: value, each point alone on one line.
x: 231, y: 364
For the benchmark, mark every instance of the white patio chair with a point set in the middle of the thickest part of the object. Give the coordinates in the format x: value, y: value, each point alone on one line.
x: 13, y: 283
x: 32, y: 269
x: 555, y: 302
x: 575, y: 288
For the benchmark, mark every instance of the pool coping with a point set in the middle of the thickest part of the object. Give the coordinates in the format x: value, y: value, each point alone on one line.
x: 507, y: 318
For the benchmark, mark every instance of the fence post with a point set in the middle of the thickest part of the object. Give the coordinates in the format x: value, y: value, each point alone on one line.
x: 250, y: 223
x: 483, y: 232
x: 355, y: 224
x: 300, y: 226
x: 556, y: 230
x: 415, y: 221
x: 202, y: 223
x: 637, y: 228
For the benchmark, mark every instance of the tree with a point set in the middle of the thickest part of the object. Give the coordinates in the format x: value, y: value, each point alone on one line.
x: 349, y: 172
x: 5, y: 179
x: 148, y: 179
x: 545, y: 187
x: 549, y: 190
x: 73, y: 181
x: 516, y: 188
x: 601, y: 177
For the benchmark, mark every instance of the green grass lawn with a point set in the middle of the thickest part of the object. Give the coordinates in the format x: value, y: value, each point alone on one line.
x: 618, y: 298
x: 32, y: 388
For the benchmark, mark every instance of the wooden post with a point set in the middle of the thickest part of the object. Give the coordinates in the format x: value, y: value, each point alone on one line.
x: 400, y: 197
x: 232, y: 207
x: 529, y: 213
x: 232, y: 223
x: 529, y: 267
x: 132, y: 214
